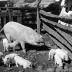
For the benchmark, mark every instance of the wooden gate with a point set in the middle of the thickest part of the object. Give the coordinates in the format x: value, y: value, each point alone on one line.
x: 60, y: 34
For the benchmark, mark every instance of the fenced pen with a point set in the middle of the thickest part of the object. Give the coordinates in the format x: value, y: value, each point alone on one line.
x: 57, y: 35
x: 60, y: 34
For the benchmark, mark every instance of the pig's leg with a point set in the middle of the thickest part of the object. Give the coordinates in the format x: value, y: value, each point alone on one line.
x: 4, y: 49
x: 23, y: 46
x: 8, y: 37
x: 13, y: 45
x: 16, y: 64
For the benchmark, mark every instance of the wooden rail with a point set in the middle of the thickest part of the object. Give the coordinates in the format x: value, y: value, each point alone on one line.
x: 26, y: 16
x: 48, y: 14
x: 60, y: 34
x: 56, y: 24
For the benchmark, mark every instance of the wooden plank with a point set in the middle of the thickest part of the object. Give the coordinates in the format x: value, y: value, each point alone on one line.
x: 65, y: 35
x: 59, y: 43
x: 0, y: 22
x: 47, y: 40
x: 48, y: 14
x: 54, y: 16
x: 38, y: 19
x: 3, y: 14
x: 38, y: 22
x: 55, y: 34
x: 4, y: 18
x: 61, y: 46
x: 56, y: 24
x: 16, y: 8
x: 19, y: 18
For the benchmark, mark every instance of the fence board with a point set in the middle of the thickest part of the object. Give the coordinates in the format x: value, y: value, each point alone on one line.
x: 58, y: 39
x: 38, y: 21
x: 4, y: 20
x: 54, y: 16
x: 55, y: 34
x: 61, y: 46
x: 57, y: 24
x: 66, y: 36
x: 3, y: 14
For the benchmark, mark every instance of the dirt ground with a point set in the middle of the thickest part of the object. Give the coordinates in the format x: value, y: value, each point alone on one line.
x: 38, y: 56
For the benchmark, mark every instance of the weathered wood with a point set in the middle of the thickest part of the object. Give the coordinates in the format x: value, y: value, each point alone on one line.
x: 47, y: 40
x: 20, y: 13
x: 57, y: 36
x: 38, y: 22
x: 48, y: 14
x: 58, y: 40
x: 61, y: 46
x: 29, y: 9
x: 19, y: 18
x: 38, y: 19
x: 54, y: 16
x: 9, y: 12
x: 65, y: 35
x: 57, y: 24
x: 3, y: 14
x: 4, y: 20
x: 0, y: 22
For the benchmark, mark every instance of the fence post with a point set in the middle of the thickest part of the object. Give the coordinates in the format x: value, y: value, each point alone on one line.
x: 19, y: 17
x: 0, y: 18
x: 9, y: 11
x: 4, y: 19
x: 38, y: 20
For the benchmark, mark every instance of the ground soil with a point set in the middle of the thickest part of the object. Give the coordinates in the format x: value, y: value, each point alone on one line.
x: 38, y: 56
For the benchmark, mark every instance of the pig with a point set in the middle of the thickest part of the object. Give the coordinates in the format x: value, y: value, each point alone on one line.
x: 8, y: 57
x: 22, y: 62
x: 60, y: 56
x: 22, y: 34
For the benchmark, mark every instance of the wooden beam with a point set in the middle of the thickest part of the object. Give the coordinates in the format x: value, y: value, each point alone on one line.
x: 38, y: 19
x: 65, y: 35
x: 16, y: 8
x: 61, y: 46
x: 3, y: 14
x: 54, y: 16
x: 38, y: 22
x: 56, y: 24
x: 4, y: 20
x: 57, y: 36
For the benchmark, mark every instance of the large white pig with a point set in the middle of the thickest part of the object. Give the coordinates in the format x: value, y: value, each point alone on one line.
x: 22, y: 34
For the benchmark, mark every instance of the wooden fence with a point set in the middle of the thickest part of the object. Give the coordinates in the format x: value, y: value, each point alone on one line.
x: 60, y: 34
x: 26, y: 16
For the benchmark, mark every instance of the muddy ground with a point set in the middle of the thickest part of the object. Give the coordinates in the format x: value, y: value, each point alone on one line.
x: 37, y: 55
